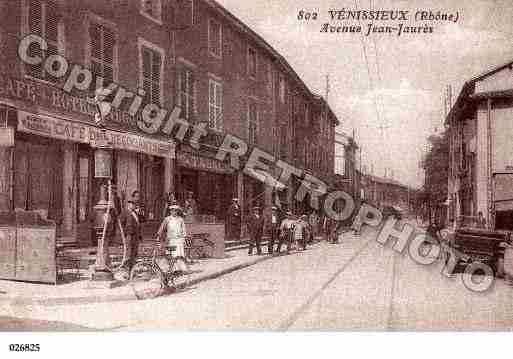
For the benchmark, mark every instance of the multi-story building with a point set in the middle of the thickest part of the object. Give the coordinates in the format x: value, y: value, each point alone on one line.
x: 346, y: 169
x: 480, y: 132
x: 380, y: 192
x: 191, y: 54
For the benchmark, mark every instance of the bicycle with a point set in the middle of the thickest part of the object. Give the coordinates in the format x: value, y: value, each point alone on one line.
x: 154, y: 274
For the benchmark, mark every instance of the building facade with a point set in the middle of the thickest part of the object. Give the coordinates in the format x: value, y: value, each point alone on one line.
x: 191, y: 54
x: 480, y: 132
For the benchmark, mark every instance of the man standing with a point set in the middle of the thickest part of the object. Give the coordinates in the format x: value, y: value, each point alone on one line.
x: 274, y: 229
x: 300, y: 232
x: 190, y: 206
x: 255, y: 228
x: 286, y: 232
x: 233, y: 221
x: 131, y: 222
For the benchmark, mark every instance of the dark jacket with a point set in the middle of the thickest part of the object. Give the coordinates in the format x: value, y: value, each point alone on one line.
x: 131, y: 223
x: 255, y: 225
x: 233, y: 215
x: 269, y: 223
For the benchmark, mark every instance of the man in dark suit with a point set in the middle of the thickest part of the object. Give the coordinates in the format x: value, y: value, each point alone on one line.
x: 131, y: 222
x: 273, y: 224
x: 255, y: 229
x: 233, y: 221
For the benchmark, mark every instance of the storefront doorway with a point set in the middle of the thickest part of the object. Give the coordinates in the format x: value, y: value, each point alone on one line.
x: 38, y: 176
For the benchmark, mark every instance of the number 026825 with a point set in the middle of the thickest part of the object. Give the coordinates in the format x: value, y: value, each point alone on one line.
x: 24, y: 347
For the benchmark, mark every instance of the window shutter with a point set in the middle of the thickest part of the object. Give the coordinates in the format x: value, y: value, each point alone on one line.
x: 146, y: 69
x: 35, y: 21
x: 52, y: 22
x: 155, y: 76
x: 35, y: 17
x: 192, y: 94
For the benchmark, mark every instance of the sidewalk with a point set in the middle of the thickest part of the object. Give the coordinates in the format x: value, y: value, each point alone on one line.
x: 26, y: 294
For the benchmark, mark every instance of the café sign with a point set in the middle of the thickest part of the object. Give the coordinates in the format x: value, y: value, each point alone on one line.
x: 83, y: 133
x: 54, y: 98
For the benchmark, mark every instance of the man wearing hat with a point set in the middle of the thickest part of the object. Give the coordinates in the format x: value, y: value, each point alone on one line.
x: 255, y: 229
x: 131, y: 222
x: 233, y: 221
x: 274, y: 223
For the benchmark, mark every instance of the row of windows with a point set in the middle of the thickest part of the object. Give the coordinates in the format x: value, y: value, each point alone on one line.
x: 43, y: 19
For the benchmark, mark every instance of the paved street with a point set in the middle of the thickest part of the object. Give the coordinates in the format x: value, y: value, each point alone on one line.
x: 355, y: 285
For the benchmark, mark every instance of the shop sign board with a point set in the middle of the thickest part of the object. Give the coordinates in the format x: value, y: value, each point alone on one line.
x: 195, y: 161
x: 53, y: 98
x: 77, y: 132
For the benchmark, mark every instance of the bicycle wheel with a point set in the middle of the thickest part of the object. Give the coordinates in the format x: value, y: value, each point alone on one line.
x: 146, y: 280
x: 166, y: 265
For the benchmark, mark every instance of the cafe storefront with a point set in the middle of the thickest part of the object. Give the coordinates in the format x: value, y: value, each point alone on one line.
x: 50, y: 166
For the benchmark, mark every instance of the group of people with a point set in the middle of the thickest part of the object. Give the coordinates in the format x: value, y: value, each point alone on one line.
x: 286, y: 230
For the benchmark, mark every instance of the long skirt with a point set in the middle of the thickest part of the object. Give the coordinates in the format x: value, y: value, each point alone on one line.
x: 179, y: 252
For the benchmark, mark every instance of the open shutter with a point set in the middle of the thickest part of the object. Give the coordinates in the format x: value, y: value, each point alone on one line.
x: 109, y: 42
x: 146, y: 68
x: 156, y: 69
x: 35, y: 26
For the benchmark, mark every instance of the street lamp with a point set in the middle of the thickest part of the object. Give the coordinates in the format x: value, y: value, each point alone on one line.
x: 103, y: 220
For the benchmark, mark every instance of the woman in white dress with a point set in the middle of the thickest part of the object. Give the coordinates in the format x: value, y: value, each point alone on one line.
x: 174, y: 226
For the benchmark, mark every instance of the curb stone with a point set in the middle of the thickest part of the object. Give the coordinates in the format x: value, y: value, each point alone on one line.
x: 118, y: 297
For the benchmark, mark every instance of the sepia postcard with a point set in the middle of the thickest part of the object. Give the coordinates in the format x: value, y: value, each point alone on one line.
x: 274, y: 165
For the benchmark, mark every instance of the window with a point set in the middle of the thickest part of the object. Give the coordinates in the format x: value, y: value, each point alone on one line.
x: 270, y: 79
x: 152, y: 9
x: 283, y: 141
x: 282, y: 88
x: 276, y: 144
x: 252, y: 123
x: 183, y: 14
x: 307, y: 163
x: 151, y: 59
x: 215, y: 38
x: 252, y: 62
x: 102, y: 49
x: 306, y: 114
x: 215, y: 104
x: 42, y: 20
x: 187, y: 93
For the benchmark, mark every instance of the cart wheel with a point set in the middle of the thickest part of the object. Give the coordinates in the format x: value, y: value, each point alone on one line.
x: 146, y: 280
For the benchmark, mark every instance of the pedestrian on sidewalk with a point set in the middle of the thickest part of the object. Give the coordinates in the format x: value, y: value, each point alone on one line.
x: 286, y: 232
x: 313, y: 220
x: 131, y: 220
x: 255, y: 229
x: 300, y: 232
x: 174, y: 226
x: 233, y: 221
x: 274, y: 223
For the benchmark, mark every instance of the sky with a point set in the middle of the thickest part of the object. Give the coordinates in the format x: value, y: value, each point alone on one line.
x: 389, y: 89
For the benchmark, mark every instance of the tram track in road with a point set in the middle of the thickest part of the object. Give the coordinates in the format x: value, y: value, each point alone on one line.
x: 303, y: 308
x: 392, y: 291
